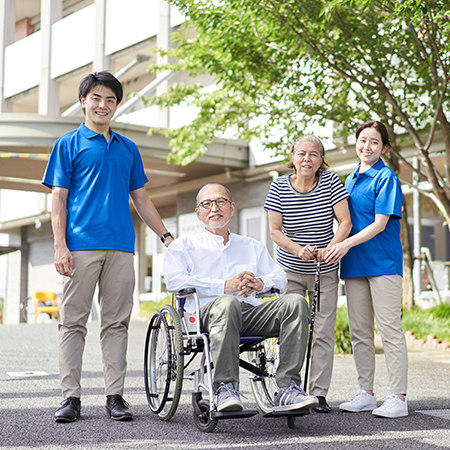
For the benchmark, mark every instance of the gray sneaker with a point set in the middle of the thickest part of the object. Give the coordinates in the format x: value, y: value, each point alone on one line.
x: 228, y: 398
x: 293, y: 397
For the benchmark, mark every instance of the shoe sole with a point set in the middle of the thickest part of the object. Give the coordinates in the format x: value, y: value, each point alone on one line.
x: 322, y: 409
x: 389, y: 417
x: 229, y: 407
x: 118, y: 418
x: 367, y: 408
x: 64, y: 420
x: 304, y: 405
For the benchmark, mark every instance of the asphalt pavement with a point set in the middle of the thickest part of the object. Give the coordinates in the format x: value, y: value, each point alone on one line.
x: 30, y: 394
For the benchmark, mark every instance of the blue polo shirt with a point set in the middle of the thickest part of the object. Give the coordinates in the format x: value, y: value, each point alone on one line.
x: 376, y: 191
x: 99, y: 176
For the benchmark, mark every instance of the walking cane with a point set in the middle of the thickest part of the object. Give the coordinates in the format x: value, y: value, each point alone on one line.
x: 315, y: 303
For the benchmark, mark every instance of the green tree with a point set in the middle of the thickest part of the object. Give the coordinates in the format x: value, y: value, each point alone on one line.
x: 290, y: 64
x: 294, y: 63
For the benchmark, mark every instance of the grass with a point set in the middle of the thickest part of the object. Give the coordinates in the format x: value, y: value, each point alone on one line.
x: 422, y: 322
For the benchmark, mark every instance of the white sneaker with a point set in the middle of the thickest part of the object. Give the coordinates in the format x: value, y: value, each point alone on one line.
x: 392, y: 407
x: 362, y: 401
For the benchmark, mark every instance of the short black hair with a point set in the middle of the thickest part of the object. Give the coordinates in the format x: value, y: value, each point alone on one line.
x: 103, y: 78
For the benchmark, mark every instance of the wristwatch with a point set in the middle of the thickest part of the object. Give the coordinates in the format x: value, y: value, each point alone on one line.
x: 165, y: 236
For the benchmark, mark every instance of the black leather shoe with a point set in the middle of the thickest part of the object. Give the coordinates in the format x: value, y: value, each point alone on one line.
x: 69, y: 411
x: 117, y: 408
x: 323, y: 406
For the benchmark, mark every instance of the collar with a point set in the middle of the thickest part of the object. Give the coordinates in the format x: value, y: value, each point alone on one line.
x: 372, y: 171
x: 89, y: 134
x: 218, y: 240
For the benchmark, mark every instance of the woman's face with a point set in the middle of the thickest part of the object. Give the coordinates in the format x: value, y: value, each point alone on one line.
x: 369, y: 146
x: 307, y: 159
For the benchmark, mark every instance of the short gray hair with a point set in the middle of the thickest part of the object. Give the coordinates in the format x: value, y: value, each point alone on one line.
x: 212, y: 184
x: 309, y: 138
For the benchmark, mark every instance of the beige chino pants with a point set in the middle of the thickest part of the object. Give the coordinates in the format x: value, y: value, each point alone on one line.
x: 322, y: 355
x: 114, y: 272
x: 379, y: 298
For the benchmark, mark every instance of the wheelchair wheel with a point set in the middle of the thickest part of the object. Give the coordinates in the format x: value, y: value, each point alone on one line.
x: 164, y: 362
x: 203, y: 421
x: 265, y: 356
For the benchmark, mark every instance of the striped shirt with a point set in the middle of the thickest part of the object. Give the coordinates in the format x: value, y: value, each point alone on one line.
x: 307, y: 217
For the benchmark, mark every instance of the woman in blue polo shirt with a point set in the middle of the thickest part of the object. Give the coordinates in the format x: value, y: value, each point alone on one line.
x: 372, y: 268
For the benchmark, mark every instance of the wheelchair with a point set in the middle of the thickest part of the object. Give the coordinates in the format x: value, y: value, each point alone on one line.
x: 173, y: 336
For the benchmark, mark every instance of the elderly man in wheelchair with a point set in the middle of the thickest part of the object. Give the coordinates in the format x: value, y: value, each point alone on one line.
x: 227, y: 271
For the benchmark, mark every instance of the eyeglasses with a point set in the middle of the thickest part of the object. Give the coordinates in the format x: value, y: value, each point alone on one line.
x: 220, y: 202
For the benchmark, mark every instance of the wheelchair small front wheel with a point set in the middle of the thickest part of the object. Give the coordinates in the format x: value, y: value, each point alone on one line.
x: 203, y: 420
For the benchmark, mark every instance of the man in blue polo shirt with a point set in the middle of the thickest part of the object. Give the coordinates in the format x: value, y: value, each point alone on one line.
x: 92, y: 172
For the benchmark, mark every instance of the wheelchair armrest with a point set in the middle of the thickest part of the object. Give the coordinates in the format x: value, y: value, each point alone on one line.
x: 186, y: 292
x: 272, y: 292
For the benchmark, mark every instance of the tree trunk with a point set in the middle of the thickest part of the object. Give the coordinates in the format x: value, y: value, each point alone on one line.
x: 408, y: 262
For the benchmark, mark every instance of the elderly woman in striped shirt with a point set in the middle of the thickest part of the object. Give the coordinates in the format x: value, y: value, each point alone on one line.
x: 301, y: 208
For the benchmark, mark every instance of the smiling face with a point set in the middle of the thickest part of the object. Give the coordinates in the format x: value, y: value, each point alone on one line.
x: 100, y: 105
x: 369, y: 148
x: 307, y: 159
x: 215, y: 218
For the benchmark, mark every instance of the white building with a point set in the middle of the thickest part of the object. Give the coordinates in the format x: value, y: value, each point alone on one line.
x: 48, y: 46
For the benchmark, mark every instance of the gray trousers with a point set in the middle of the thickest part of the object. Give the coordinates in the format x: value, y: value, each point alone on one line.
x: 114, y: 272
x: 226, y: 319
x: 322, y: 355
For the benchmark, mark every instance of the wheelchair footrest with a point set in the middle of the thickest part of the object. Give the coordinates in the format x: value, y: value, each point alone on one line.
x: 233, y: 414
x: 294, y: 412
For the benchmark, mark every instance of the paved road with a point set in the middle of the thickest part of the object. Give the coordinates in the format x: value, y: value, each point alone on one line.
x: 27, y: 405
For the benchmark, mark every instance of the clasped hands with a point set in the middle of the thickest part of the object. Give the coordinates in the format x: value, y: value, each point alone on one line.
x: 329, y: 255
x: 244, y: 284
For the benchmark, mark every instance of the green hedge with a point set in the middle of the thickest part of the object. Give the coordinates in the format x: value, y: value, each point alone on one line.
x: 421, y: 322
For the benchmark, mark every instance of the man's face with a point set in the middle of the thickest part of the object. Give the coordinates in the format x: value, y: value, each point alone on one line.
x: 100, y: 106
x: 215, y: 217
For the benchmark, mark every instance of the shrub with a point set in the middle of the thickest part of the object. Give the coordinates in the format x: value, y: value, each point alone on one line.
x: 342, y: 343
x: 147, y: 309
x: 423, y: 322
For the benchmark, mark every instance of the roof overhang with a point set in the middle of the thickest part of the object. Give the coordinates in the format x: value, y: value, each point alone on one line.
x: 26, y: 141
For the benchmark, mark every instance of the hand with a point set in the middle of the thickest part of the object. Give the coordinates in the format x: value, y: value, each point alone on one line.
x: 63, y: 261
x: 168, y: 241
x: 320, y: 255
x: 336, y: 252
x: 307, y: 252
x: 244, y: 284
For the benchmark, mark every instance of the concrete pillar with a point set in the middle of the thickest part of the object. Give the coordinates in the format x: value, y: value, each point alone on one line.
x: 417, y: 233
x: 51, y: 12
x: 162, y: 41
x: 101, y: 61
x: 139, y: 267
x: 11, y: 313
x: 7, y: 28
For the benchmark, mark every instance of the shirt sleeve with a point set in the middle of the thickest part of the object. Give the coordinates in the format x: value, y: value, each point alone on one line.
x: 338, y: 191
x: 60, y: 166
x: 178, y: 267
x: 389, y: 197
x: 138, y: 178
x: 273, y: 202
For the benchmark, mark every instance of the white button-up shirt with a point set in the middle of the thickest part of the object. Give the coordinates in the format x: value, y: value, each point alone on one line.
x: 203, y: 262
